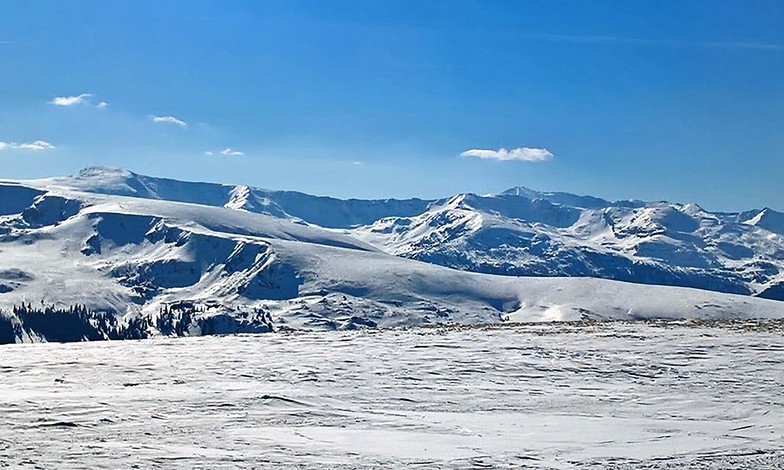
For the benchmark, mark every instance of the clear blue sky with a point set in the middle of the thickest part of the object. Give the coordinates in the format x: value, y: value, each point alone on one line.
x: 680, y: 100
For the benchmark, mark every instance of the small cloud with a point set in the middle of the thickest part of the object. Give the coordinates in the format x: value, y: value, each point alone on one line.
x: 168, y: 120
x: 70, y: 100
x: 228, y: 152
x: 231, y: 152
x: 37, y: 145
x: 522, y: 154
x: 102, y: 105
x: 356, y: 163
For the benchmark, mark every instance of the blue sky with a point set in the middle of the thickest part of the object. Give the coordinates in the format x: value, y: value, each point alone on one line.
x: 678, y: 100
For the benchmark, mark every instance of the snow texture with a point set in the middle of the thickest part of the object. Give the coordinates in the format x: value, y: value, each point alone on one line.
x: 597, y: 395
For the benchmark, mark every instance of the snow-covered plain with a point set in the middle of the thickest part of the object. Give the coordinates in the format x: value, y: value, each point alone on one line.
x: 591, y: 395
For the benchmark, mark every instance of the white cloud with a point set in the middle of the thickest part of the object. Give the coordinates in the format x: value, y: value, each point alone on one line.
x: 231, y: 152
x: 168, y: 120
x: 102, y: 105
x: 228, y: 152
x: 70, y: 100
x: 37, y: 145
x: 522, y: 154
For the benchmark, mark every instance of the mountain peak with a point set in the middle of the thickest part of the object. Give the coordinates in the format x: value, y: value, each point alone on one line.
x: 522, y: 191
x: 565, y: 199
x: 769, y: 219
x: 103, y: 171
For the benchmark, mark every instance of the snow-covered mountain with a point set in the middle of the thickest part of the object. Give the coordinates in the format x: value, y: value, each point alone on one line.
x: 651, y: 243
x: 323, y: 211
x: 519, y: 232
x: 191, y: 258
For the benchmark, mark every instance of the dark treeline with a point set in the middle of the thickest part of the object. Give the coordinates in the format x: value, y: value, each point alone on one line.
x: 78, y: 323
x: 74, y: 323
x: 178, y: 318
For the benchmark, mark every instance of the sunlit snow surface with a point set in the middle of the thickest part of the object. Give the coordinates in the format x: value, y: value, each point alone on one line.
x: 628, y: 395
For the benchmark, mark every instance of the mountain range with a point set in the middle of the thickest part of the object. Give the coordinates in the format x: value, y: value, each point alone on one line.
x: 519, y: 232
x: 165, y: 251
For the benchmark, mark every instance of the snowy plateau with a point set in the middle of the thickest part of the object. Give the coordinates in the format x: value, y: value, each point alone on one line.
x: 112, y: 254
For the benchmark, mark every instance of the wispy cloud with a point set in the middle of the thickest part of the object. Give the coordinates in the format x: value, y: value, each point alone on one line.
x: 523, y: 154
x: 83, y: 99
x: 611, y: 40
x: 168, y: 120
x: 227, y: 152
x: 37, y: 145
x: 71, y: 100
x: 230, y: 152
